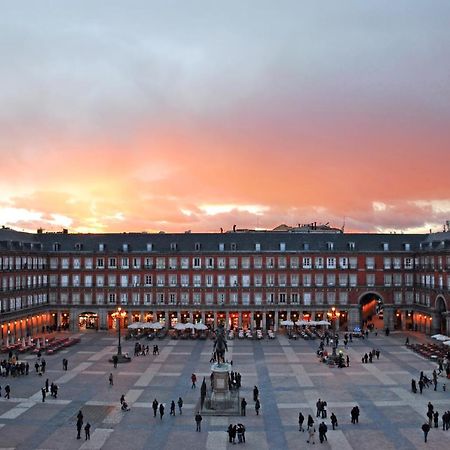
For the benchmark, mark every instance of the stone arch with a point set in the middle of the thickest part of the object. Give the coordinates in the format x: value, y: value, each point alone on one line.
x: 371, y: 307
x: 441, y: 310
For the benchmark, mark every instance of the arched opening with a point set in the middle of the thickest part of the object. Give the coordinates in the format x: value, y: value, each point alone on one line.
x: 88, y: 320
x: 441, y: 309
x: 371, y: 305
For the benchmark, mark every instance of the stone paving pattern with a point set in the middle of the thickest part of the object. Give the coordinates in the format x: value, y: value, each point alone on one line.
x: 288, y: 374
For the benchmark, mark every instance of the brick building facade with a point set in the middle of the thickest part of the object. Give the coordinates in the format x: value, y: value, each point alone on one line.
x: 241, y: 278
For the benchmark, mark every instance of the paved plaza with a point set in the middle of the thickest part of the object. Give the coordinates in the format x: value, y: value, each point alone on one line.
x: 288, y: 374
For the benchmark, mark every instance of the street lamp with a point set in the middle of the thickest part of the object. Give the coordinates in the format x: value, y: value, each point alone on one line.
x: 333, y: 316
x: 119, y: 314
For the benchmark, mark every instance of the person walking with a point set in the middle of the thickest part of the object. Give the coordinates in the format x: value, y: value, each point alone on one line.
x: 301, y: 419
x: 87, y: 431
x: 111, y: 379
x: 323, y: 432
x: 436, y: 419
x: 79, y: 424
x: 243, y: 406
x: 421, y: 385
x: 7, y: 391
x: 198, y: 421
x: 194, y: 380
x: 180, y: 405
x: 172, y: 408
x: 155, y: 407
x: 230, y: 433
x: 334, y: 422
x: 161, y: 411
x: 426, y: 430
x: 257, y: 406
x: 310, y: 422
x: 44, y: 393
x: 46, y: 385
x: 255, y: 394
x: 311, y: 436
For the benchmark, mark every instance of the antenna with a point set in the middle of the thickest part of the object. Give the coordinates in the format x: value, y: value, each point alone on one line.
x: 343, y: 224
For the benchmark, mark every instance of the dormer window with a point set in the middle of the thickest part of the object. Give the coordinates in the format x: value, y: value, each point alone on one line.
x: 78, y: 246
x: 56, y: 246
x: 125, y: 247
x: 407, y: 247
x: 197, y: 246
x: 385, y: 246
x: 173, y: 246
x: 351, y: 246
x: 305, y: 246
x: 149, y: 246
x: 282, y: 246
x: 101, y: 247
x: 257, y: 247
x: 233, y: 246
x: 221, y: 247
x: 330, y: 245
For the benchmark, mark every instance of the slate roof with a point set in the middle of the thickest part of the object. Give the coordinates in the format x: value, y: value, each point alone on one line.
x: 209, y: 242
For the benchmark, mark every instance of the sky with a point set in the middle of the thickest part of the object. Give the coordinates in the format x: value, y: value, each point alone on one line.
x: 175, y: 116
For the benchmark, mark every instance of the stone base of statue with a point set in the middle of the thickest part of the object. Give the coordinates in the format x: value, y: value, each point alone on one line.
x: 219, y: 399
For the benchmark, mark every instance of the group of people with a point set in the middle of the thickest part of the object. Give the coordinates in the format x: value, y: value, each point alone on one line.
x: 87, y: 427
x: 425, y: 381
x: 13, y: 367
x: 141, y: 349
x: 368, y: 358
x: 52, y: 388
x: 156, y: 406
x: 234, y: 431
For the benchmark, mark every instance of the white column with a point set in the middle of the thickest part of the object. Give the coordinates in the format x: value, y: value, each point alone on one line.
x: 275, y: 321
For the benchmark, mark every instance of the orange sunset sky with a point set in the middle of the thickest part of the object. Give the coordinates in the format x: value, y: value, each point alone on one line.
x: 174, y: 116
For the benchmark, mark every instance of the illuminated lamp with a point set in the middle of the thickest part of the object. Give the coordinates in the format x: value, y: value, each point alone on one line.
x: 270, y: 315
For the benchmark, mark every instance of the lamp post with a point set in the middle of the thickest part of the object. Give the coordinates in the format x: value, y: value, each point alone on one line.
x: 119, y: 314
x: 334, y: 315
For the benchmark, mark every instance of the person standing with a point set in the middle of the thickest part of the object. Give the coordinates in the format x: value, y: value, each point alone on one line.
x: 436, y: 419
x: 194, y: 380
x: 161, y: 411
x: 155, y: 407
x: 46, y: 385
x: 87, y: 431
x: 426, y: 430
x: 301, y: 419
x: 43, y: 394
x: 79, y: 424
x: 230, y: 433
x: 172, y: 408
x: 334, y: 422
x: 243, y: 406
x: 323, y: 432
x: 111, y: 379
x: 198, y: 421
x: 257, y: 406
x: 311, y: 436
x: 7, y: 391
x: 255, y: 394
x: 180, y: 404
x: 310, y: 422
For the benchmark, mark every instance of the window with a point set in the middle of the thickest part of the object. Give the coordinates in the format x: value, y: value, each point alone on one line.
x: 233, y: 246
x: 197, y: 246
x: 160, y: 280
x: 386, y: 246
x: 210, y: 263
x: 184, y: 280
x: 370, y: 279
x: 99, y: 298
x: 294, y: 280
x: 100, y: 263
x: 294, y: 298
x: 125, y: 247
x: 173, y: 246
x: 319, y: 279
x: 257, y: 247
x: 53, y: 263
x: 319, y: 298
x: 282, y: 298
x: 172, y: 298
x: 160, y: 298
x: 111, y: 280
x: 353, y: 280
x: 307, y: 262
x: 331, y: 263
x: 245, y: 262
x: 387, y: 263
x: 408, y: 263
x: 351, y: 246
x: 173, y: 263
x: 270, y: 264
x: 101, y: 248
x: 172, y: 280
x: 294, y: 262
x: 160, y: 263
x: 221, y: 264
x: 88, y: 280
x: 353, y: 262
x: 246, y: 280
x: 124, y: 280
x: 307, y: 298
x: 407, y: 247
x: 330, y: 245
x: 387, y: 279
x: 343, y: 279
x: 209, y: 280
x: 221, y: 247
x: 397, y: 298
x: 331, y: 279
x: 112, y: 263
x: 197, y: 280
x: 148, y: 280
x: 370, y: 262
x: 257, y: 262
x: 305, y: 246
x: 270, y: 279
x: 258, y: 298
x: 124, y: 262
x: 76, y: 263
x: 258, y: 280
x: 136, y: 263
x: 76, y: 280
x: 111, y: 297
x: 318, y: 262
x: 100, y: 280
x: 343, y: 297
x: 221, y: 280
x: 343, y: 263
x: 409, y: 279
x: 307, y: 279
x: 233, y: 280
x: 88, y: 263
x: 64, y: 263
x: 331, y: 297
x: 185, y: 263
x: 233, y: 263
x: 397, y: 279
x: 196, y: 263
x: 282, y: 262
x: 148, y: 263
x: 270, y: 298
x: 397, y: 263
x: 149, y: 247
x: 282, y: 279
x: 136, y: 280
x: 282, y: 246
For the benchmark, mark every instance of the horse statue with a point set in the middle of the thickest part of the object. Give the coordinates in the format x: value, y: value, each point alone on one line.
x: 220, y: 345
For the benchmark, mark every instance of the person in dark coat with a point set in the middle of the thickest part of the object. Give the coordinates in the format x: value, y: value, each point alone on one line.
x: 334, y: 422
x: 44, y: 393
x: 426, y: 430
x: 413, y: 386
x: 87, y: 431
x: 421, y: 385
x: 243, y: 406
x: 310, y: 421
x: 230, y: 433
x: 436, y: 419
x: 155, y: 407
x: 172, y: 408
x: 301, y: 419
x: 180, y: 405
x: 161, y: 411
x: 323, y: 432
x: 7, y: 391
x: 255, y: 394
x: 198, y: 421
x: 257, y: 406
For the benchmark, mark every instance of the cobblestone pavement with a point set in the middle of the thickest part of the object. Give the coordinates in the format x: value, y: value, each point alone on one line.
x: 288, y: 374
